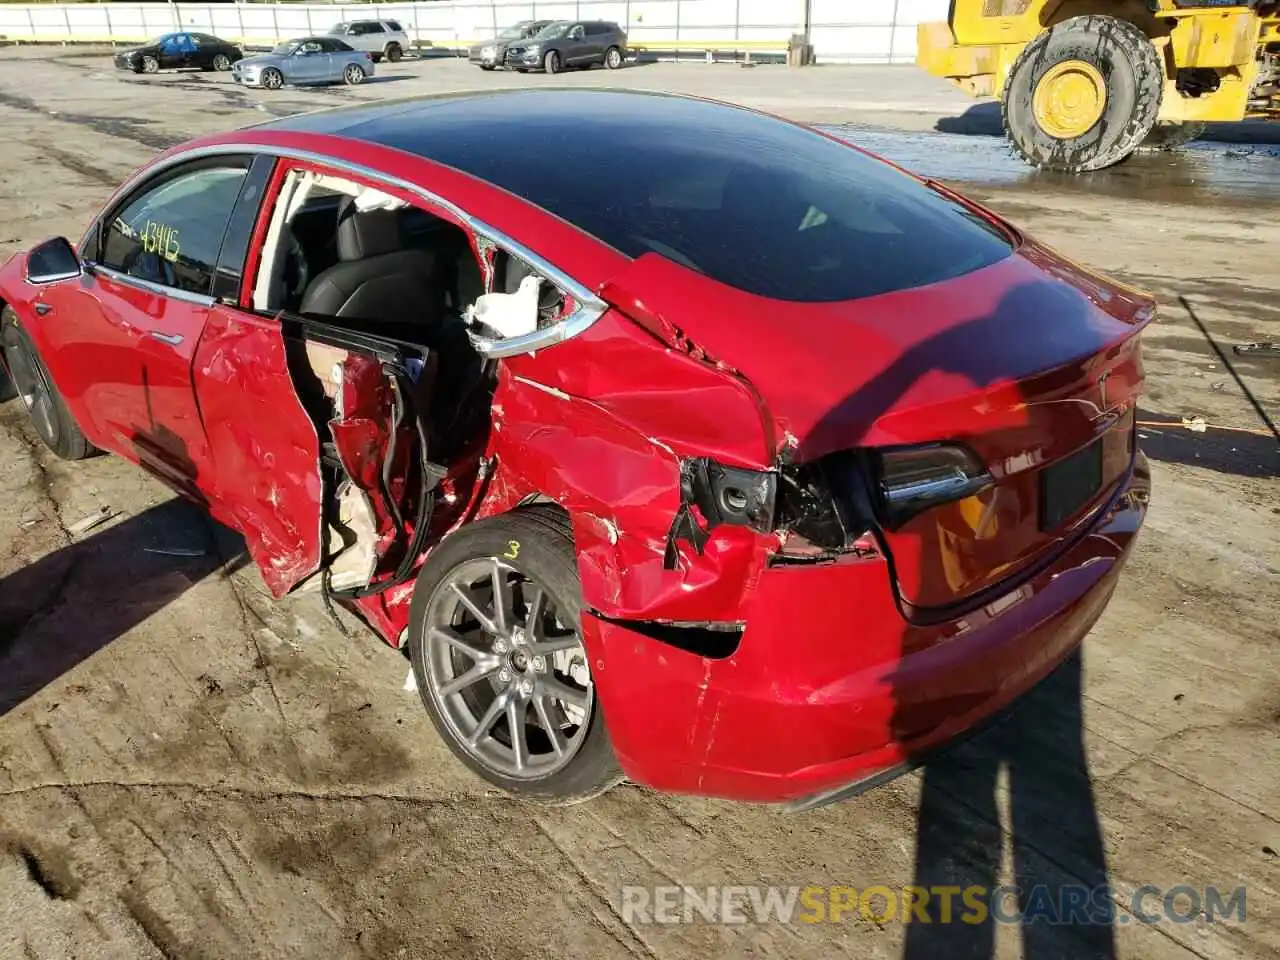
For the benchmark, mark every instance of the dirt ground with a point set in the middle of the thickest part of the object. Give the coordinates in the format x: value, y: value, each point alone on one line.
x: 189, y: 770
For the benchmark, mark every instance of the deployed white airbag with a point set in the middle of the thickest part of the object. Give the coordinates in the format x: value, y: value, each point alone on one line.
x: 509, y: 314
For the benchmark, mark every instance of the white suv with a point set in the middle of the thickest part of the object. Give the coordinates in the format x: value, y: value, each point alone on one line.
x: 378, y: 38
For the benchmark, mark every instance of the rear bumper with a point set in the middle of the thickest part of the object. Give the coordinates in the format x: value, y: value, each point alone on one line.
x: 831, y: 689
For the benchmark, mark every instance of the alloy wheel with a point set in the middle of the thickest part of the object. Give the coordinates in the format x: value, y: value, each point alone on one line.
x: 272, y: 79
x: 511, y: 681
x: 150, y: 64
x: 353, y: 74
x: 32, y: 384
x: 221, y: 62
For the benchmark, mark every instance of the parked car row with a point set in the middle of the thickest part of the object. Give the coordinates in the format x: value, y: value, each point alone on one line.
x: 553, y: 45
x: 348, y: 52
x: 321, y: 59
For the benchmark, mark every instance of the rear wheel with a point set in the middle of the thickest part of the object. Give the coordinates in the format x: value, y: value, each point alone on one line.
x: 272, y: 78
x: 150, y: 65
x: 496, y: 643
x: 45, y: 406
x: 353, y: 74
x: 221, y: 62
x: 613, y: 58
x: 394, y: 52
x: 1083, y: 94
x: 551, y: 63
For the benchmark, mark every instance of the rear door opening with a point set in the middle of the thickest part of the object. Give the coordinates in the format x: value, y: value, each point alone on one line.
x: 374, y: 300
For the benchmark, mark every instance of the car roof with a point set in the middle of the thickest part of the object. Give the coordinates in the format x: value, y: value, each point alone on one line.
x: 457, y: 128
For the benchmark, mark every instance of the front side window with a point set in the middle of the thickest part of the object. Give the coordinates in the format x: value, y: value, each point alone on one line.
x: 170, y: 234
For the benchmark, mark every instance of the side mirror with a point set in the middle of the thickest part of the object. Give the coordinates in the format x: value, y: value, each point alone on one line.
x: 52, y: 261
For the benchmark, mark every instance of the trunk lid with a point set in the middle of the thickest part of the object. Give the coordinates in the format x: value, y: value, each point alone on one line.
x: 1028, y: 361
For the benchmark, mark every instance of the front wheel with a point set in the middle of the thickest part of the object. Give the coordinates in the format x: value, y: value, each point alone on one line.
x: 221, y: 62
x: 495, y: 637
x: 552, y: 62
x: 613, y: 58
x: 1083, y: 94
x: 45, y: 406
x: 150, y: 65
x: 272, y: 78
x: 353, y: 74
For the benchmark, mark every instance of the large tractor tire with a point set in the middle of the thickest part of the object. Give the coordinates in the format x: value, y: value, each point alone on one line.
x: 1083, y: 95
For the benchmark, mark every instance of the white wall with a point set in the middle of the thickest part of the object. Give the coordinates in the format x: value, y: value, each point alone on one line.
x: 872, y: 31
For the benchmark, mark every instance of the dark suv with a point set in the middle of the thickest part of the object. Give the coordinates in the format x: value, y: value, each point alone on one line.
x: 572, y: 44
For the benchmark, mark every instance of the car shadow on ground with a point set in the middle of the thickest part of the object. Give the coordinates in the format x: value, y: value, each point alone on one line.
x: 60, y: 610
x: 1243, y: 453
x: 984, y: 120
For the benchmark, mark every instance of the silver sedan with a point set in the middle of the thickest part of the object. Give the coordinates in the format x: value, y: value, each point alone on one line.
x: 304, y: 61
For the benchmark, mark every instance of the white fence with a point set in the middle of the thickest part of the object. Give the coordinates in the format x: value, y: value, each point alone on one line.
x: 848, y: 31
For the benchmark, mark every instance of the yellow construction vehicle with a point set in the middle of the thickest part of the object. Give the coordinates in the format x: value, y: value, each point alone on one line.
x: 1084, y: 83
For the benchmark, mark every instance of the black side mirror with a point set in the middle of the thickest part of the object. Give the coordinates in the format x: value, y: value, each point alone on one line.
x: 52, y: 261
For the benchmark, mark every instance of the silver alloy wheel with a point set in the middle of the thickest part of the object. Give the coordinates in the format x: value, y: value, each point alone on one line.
x: 552, y: 64
x: 613, y: 59
x: 33, y: 387
x: 150, y: 64
x: 353, y: 74
x: 510, y: 680
x: 221, y: 61
x: 272, y: 78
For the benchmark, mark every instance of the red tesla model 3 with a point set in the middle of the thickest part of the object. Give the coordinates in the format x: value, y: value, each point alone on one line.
x: 672, y: 440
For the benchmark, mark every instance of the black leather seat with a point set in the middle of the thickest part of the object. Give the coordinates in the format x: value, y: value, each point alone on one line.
x: 376, y: 279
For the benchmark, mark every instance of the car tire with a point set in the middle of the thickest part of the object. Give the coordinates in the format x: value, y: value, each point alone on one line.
x: 1083, y: 95
x: 271, y: 79
x: 486, y: 67
x: 551, y: 62
x: 395, y: 53
x: 353, y: 74
x: 47, y: 410
x: 613, y: 58
x: 150, y: 65
x: 509, y: 684
x: 221, y: 62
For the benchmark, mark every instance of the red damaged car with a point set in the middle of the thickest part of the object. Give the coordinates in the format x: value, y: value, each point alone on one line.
x: 672, y: 440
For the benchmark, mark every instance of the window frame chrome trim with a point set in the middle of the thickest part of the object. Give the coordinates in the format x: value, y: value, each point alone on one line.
x: 186, y: 296
x: 589, y: 306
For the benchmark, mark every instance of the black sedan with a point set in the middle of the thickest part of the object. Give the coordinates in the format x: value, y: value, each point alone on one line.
x: 176, y: 50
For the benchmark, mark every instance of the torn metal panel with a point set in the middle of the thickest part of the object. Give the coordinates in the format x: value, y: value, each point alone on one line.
x: 264, y: 446
x: 622, y: 491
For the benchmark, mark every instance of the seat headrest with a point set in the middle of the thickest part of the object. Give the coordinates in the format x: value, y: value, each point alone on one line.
x: 368, y: 234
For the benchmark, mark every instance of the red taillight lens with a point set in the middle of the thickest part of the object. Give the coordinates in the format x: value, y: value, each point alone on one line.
x: 369, y: 57
x: 913, y: 479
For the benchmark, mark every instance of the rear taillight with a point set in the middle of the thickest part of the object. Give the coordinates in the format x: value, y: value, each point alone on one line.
x: 914, y: 479
x: 369, y: 57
